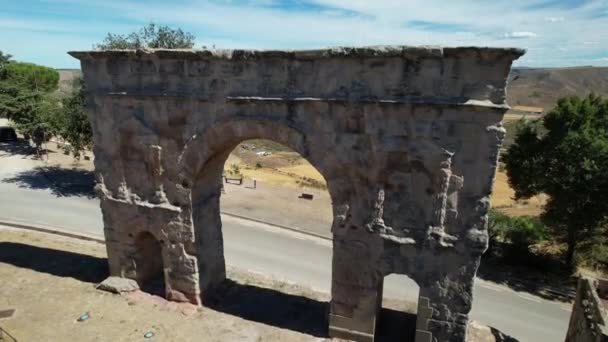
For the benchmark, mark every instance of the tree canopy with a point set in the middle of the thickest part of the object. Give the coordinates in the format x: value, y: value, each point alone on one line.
x: 4, y: 59
x: 74, y: 125
x: 565, y: 156
x: 25, y: 97
x: 151, y: 36
x: 30, y: 76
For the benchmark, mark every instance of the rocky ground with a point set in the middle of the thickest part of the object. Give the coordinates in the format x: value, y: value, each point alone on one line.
x: 50, y: 281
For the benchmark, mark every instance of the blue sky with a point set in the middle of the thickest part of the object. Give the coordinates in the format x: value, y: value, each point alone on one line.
x: 555, y: 32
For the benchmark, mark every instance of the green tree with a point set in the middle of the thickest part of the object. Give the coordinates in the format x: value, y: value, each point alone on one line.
x: 36, y: 121
x: 4, y: 59
x: 31, y: 76
x: 74, y: 124
x: 565, y: 155
x: 25, y: 98
x: 149, y: 37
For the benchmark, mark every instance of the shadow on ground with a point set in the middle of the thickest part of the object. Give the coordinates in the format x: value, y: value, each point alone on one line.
x: 59, y: 263
x: 62, y: 182
x: 500, y: 337
x: 298, y: 313
x: 19, y: 147
x: 550, y: 282
x: 263, y: 305
x: 253, y: 303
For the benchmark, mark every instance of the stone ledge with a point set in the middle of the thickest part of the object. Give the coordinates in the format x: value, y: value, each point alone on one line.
x: 410, y: 100
x: 343, y: 52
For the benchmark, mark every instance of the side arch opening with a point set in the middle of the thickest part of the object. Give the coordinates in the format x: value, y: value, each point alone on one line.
x: 149, y: 264
x: 400, y: 306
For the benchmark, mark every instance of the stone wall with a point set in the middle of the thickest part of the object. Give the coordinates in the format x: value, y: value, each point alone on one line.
x: 588, y: 322
x: 406, y: 138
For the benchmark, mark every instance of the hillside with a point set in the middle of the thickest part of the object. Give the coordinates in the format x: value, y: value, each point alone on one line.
x: 527, y: 86
x: 543, y: 87
x: 66, y: 77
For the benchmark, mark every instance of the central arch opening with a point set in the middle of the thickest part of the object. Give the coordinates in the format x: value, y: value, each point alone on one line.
x: 270, y: 182
x: 260, y: 207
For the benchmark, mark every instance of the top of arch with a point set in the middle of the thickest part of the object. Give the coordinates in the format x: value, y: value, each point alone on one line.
x: 342, y: 52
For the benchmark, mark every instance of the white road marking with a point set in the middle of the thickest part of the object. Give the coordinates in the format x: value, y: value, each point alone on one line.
x: 492, y: 287
x: 528, y: 297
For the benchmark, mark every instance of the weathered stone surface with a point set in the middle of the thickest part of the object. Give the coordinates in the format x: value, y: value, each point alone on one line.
x: 589, y: 319
x: 118, y: 285
x: 407, y: 139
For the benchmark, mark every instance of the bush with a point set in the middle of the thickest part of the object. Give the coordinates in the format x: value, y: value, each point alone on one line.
x: 525, y: 232
x: 234, y: 170
x: 512, y: 237
x: 594, y: 253
x: 151, y: 36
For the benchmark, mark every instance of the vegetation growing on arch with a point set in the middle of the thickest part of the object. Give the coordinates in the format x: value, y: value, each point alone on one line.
x: 151, y: 36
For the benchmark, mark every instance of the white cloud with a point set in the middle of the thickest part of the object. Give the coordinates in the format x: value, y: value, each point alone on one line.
x: 269, y: 24
x: 12, y: 24
x: 520, y: 35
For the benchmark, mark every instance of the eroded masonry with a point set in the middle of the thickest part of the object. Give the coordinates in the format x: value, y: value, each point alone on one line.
x: 407, y: 139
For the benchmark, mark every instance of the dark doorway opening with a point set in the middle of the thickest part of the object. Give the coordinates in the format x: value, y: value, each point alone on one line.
x: 149, y: 264
x: 397, y: 319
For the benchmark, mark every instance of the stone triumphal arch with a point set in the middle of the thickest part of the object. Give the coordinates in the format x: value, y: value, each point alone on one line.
x: 407, y: 139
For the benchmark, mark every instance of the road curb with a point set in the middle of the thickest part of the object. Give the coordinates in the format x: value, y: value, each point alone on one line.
x: 51, y: 230
x: 85, y: 237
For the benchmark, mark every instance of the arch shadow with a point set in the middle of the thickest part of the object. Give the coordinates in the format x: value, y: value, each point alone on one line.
x: 299, y: 313
x: 85, y: 268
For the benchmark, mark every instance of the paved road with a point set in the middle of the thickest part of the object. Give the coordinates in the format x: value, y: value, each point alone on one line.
x: 284, y: 255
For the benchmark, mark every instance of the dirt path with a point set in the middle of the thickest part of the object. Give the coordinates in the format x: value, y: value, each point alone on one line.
x: 280, y: 205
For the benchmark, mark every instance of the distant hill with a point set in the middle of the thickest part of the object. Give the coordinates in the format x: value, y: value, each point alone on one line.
x: 543, y: 87
x: 535, y: 87
x: 66, y: 77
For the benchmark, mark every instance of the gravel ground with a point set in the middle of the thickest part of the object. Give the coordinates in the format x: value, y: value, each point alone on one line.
x: 50, y: 281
